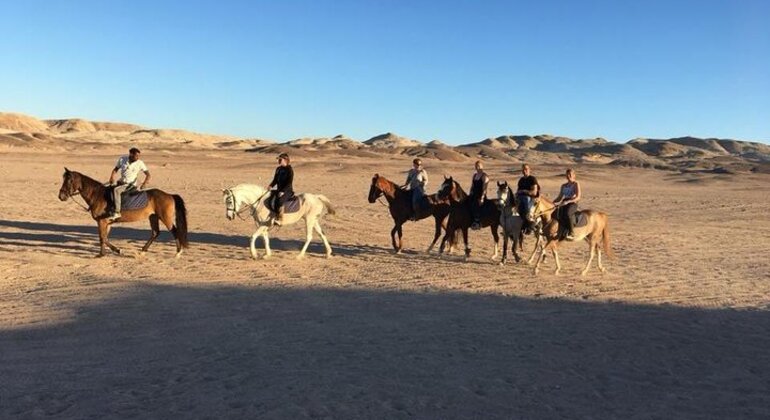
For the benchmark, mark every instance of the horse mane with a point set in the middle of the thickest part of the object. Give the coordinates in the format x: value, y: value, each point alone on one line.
x: 461, y: 195
x: 392, y: 189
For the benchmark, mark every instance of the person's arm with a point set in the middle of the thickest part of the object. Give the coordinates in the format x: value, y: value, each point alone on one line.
x: 470, y: 191
x: 289, y: 178
x: 146, y: 179
x: 424, y: 182
x: 535, y: 190
x: 486, y: 185
x: 274, y: 182
x: 113, y: 175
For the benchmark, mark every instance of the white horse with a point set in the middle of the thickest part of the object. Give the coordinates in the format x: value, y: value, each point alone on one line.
x: 249, y: 197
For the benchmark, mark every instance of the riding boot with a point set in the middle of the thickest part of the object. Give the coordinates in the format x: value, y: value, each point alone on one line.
x: 279, y: 216
x: 571, y: 231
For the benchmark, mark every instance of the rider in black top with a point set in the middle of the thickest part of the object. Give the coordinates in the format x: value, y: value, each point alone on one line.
x: 528, y: 190
x: 282, y: 188
x: 478, y: 193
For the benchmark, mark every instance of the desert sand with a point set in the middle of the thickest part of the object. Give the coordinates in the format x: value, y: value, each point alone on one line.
x: 679, y: 326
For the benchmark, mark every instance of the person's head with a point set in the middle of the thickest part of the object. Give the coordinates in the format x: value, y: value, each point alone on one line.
x: 570, y: 174
x: 479, y: 165
x: 525, y: 170
x: 283, y: 159
x: 417, y: 163
x: 133, y: 154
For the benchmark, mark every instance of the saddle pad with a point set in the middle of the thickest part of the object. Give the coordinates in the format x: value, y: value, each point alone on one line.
x: 292, y: 206
x: 580, y: 219
x: 133, y: 200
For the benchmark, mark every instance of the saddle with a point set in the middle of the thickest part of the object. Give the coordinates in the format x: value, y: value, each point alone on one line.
x: 291, y: 205
x: 130, y: 199
x: 580, y: 219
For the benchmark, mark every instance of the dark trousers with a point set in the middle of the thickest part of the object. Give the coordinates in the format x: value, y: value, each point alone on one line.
x: 477, y: 205
x: 566, y: 217
x: 279, y: 198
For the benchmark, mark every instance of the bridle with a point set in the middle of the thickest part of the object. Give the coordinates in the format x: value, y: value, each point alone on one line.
x: 234, y: 201
x: 72, y: 193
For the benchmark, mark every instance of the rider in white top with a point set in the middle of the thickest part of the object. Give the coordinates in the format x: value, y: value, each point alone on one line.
x: 129, y: 168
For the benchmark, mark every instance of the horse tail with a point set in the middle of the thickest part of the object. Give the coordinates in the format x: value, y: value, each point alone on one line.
x: 327, y: 204
x: 180, y: 224
x: 606, y: 238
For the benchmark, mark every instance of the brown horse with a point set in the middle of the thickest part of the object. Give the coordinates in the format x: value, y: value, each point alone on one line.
x: 400, y: 205
x: 461, y: 217
x: 596, y: 230
x: 161, y: 206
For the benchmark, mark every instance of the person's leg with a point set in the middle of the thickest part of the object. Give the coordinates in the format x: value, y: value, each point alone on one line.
x: 416, y: 196
x: 570, y: 216
x: 116, y: 192
x: 476, y: 212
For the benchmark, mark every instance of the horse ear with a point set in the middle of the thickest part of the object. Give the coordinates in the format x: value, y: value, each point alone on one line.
x: 66, y: 171
x: 499, y: 184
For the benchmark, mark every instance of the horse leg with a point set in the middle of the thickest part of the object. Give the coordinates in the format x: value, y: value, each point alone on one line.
x: 308, y: 237
x: 320, y: 232
x: 592, y: 248
x: 436, y: 235
x: 541, y: 257
x: 505, y: 248
x: 155, y: 226
x: 515, y: 241
x: 396, y: 245
x: 266, y: 240
x: 103, y: 230
x: 167, y: 218
x: 496, y: 237
x: 253, y: 240
x: 465, y: 242
x: 599, y: 259
x: 556, y: 258
x: 534, y: 251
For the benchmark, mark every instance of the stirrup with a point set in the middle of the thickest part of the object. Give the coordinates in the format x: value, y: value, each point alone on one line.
x: 114, y: 216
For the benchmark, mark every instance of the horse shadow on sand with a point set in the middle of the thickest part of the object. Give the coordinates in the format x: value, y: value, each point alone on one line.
x: 165, y: 351
x: 60, y: 236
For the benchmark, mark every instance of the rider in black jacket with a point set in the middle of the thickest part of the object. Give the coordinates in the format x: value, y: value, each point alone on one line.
x: 281, y: 186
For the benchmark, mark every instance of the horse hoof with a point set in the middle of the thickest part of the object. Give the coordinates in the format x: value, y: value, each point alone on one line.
x: 178, y: 254
x: 556, y: 273
x: 603, y: 270
x: 300, y: 257
x: 265, y: 257
x: 100, y: 255
x: 502, y: 263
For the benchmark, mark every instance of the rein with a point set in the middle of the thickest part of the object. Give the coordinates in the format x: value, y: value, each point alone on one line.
x: 247, y: 207
x: 72, y: 196
x: 542, y: 212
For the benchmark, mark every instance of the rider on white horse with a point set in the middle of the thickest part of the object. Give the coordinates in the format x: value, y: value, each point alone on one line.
x: 281, y: 186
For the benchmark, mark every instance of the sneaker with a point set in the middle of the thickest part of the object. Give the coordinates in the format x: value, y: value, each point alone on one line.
x: 570, y: 236
x: 114, y: 216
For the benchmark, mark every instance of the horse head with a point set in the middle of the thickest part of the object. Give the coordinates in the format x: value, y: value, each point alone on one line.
x: 447, y: 190
x: 503, y: 194
x: 374, y: 190
x: 231, y: 204
x: 70, y: 185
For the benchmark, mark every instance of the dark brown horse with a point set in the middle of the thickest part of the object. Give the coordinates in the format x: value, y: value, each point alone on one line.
x: 461, y: 217
x: 400, y: 205
x: 160, y: 206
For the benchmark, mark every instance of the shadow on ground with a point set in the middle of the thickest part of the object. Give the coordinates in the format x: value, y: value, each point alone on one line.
x: 58, y: 235
x: 168, y: 352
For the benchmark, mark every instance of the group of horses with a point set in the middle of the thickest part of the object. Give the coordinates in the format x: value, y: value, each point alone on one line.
x: 449, y: 207
x: 451, y: 210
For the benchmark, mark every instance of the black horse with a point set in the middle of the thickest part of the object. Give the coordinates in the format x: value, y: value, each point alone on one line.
x: 461, y: 216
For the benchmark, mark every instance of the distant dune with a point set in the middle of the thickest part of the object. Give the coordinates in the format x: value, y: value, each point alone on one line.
x: 688, y: 154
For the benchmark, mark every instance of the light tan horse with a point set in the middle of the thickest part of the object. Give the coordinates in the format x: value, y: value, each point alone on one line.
x: 161, y: 207
x: 595, y: 231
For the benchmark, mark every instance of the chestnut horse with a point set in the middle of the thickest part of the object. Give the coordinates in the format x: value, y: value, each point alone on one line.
x: 460, y: 216
x: 400, y: 206
x: 160, y: 206
x: 596, y: 230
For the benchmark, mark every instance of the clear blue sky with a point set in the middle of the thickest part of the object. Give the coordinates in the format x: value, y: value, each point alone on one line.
x: 458, y: 71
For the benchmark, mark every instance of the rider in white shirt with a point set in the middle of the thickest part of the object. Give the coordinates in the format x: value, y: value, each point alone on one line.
x: 129, y: 168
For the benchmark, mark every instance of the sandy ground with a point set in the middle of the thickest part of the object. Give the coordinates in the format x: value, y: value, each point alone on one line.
x: 677, y: 328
